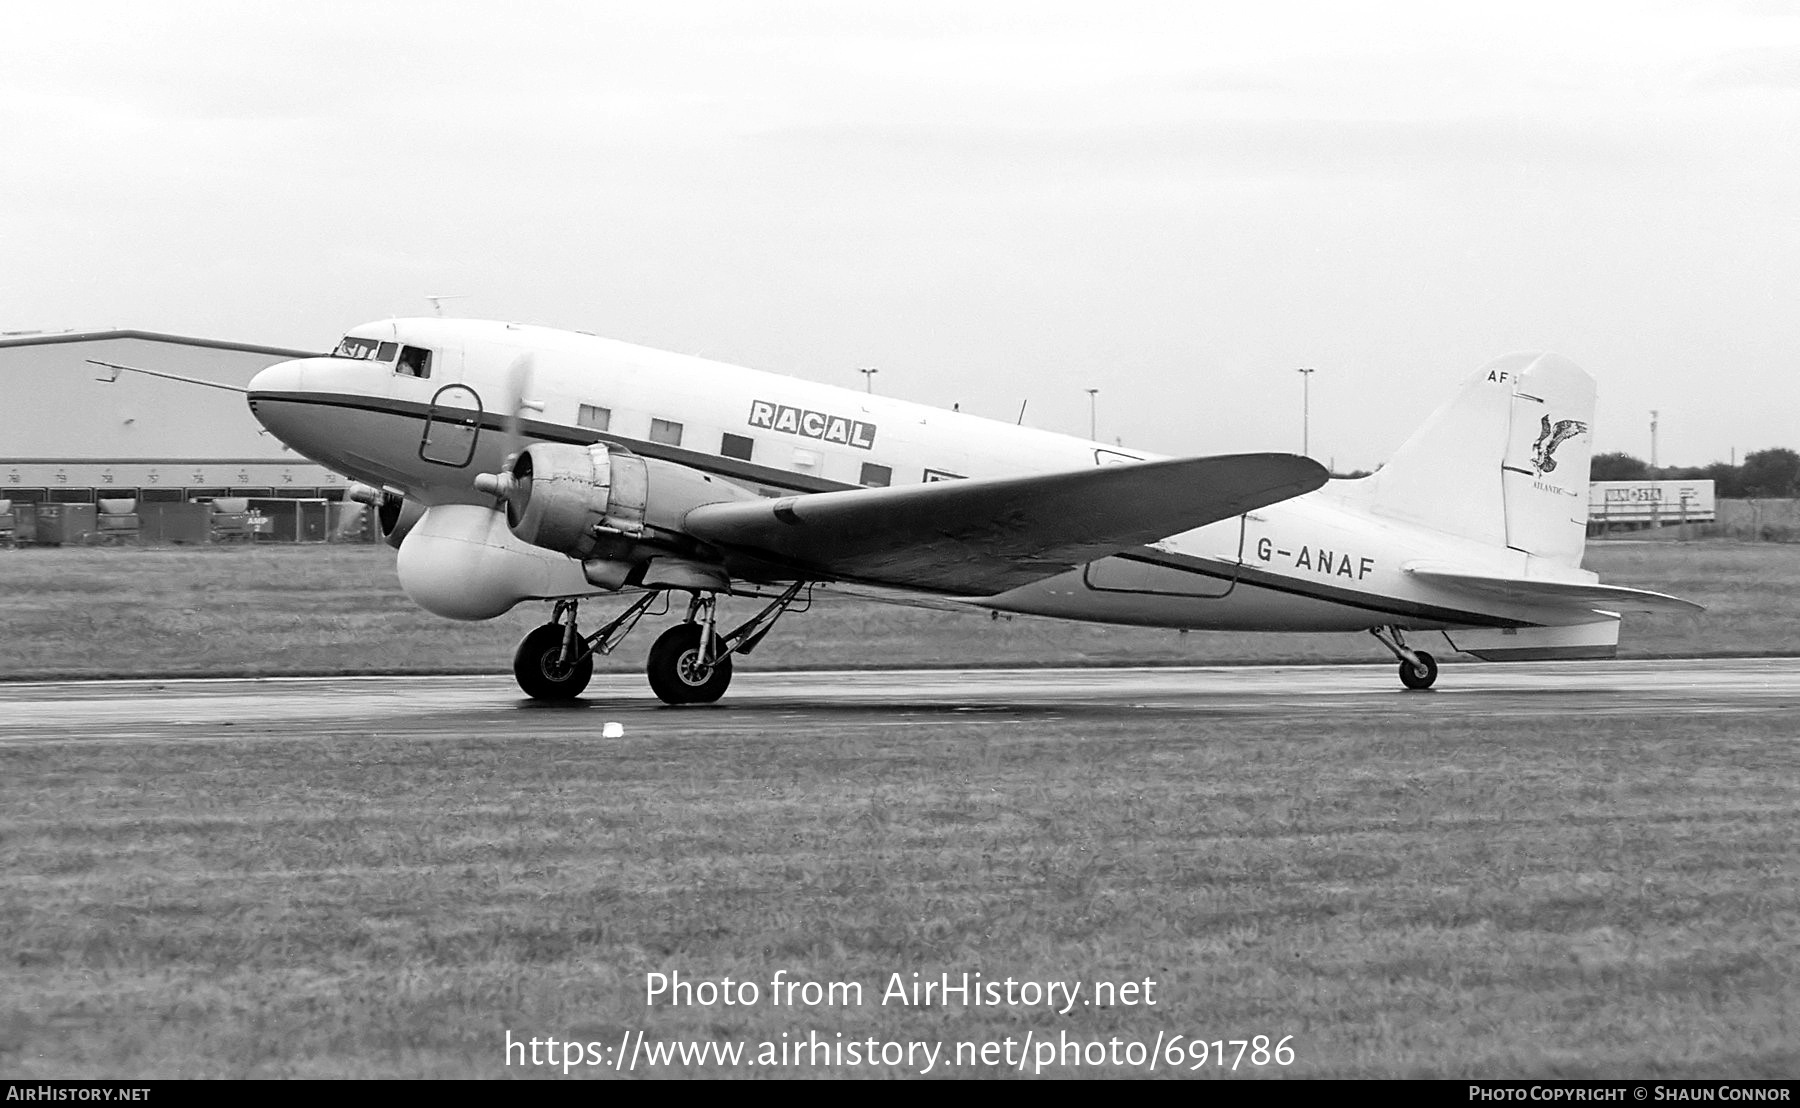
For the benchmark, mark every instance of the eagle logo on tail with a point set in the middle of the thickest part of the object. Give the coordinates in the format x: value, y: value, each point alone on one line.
x: 1552, y: 436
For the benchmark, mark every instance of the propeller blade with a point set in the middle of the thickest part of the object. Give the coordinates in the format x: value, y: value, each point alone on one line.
x: 517, y: 385
x: 514, y: 398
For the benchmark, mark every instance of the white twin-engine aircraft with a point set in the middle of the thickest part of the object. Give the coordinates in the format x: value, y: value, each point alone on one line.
x: 512, y: 463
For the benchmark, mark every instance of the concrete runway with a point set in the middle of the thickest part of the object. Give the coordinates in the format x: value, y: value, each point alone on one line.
x: 152, y: 711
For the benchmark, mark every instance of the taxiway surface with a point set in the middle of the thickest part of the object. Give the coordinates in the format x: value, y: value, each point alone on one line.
x: 148, y: 711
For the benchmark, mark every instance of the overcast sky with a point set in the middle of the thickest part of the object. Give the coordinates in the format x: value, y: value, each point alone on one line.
x: 993, y: 203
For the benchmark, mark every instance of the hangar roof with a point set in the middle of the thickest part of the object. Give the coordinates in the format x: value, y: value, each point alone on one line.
x: 55, y: 407
x: 45, y: 338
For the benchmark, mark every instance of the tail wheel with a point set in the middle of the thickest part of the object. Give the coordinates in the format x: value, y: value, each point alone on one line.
x: 538, y: 667
x: 676, y: 675
x: 1413, y: 679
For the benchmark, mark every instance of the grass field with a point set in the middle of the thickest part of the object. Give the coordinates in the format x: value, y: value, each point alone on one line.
x: 1411, y: 893
x: 338, y: 609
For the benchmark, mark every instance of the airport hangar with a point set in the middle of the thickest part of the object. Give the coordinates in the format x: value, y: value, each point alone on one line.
x: 75, y: 433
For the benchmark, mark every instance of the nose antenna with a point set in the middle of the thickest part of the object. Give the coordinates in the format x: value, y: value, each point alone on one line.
x: 437, y: 302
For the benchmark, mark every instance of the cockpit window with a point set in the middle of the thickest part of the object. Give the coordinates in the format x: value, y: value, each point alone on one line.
x: 415, y: 361
x: 365, y: 350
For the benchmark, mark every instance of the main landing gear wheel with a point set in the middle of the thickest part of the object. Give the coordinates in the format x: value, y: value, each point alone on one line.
x: 676, y: 675
x: 538, y: 665
x: 1412, y: 678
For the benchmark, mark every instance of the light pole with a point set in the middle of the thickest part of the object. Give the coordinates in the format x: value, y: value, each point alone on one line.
x: 869, y: 378
x: 1091, y: 394
x: 1306, y: 373
x: 1653, y: 444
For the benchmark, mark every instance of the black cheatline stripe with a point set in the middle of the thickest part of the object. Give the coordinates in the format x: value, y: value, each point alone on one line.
x: 1259, y: 579
x: 552, y: 432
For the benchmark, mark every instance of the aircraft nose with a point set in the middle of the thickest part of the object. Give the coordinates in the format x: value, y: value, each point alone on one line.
x: 270, y: 395
x: 280, y: 377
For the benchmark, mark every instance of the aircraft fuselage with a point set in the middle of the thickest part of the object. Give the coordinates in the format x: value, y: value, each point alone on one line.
x: 1325, y: 561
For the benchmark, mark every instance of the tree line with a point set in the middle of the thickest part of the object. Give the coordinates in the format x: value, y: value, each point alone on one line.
x: 1764, y: 473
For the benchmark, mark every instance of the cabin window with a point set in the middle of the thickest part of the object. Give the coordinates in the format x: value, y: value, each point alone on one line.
x: 415, y: 361
x: 877, y: 477
x: 737, y: 446
x: 665, y: 431
x: 594, y: 417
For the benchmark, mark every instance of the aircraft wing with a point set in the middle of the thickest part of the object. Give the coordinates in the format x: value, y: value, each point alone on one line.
x: 1558, y: 594
x: 980, y: 537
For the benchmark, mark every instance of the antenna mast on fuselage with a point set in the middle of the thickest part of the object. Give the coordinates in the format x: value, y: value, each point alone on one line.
x: 437, y: 302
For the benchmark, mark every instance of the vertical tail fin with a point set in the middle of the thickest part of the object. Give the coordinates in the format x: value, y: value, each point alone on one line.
x: 1505, y: 462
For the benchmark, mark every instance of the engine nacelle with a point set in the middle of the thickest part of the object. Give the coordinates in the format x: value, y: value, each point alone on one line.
x: 561, y: 497
x: 596, y: 502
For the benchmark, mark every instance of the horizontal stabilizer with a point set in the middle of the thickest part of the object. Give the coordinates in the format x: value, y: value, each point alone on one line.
x: 980, y: 537
x: 1556, y: 594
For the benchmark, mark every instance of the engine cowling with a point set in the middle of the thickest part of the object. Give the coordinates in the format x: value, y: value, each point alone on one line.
x: 598, y: 502
x: 560, y: 497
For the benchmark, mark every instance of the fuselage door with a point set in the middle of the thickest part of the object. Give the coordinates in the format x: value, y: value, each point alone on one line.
x: 452, y: 426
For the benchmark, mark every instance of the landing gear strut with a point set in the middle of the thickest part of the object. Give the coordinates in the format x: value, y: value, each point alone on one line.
x: 691, y: 664
x: 555, y: 662
x: 1418, y: 670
